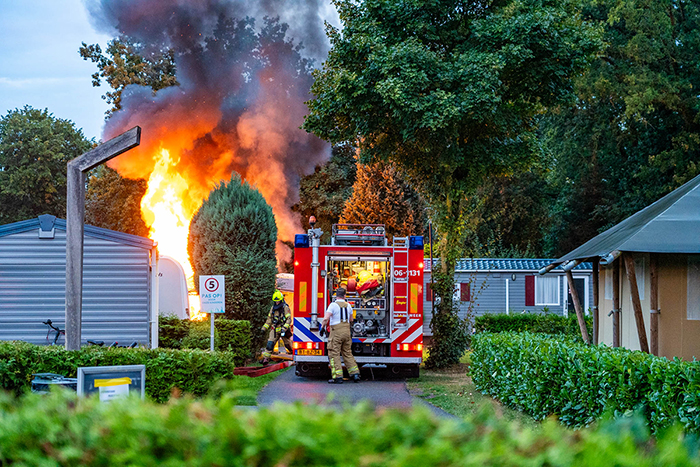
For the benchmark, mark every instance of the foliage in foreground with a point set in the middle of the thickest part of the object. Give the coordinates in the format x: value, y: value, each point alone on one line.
x: 55, y: 430
x: 537, y: 323
x: 544, y: 375
x: 189, y: 371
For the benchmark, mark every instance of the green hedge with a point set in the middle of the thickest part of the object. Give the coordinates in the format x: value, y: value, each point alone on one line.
x: 230, y: 335
x: 191, y: 371
x: 171, y: 331
x: 537, y: 323
x: 56, y: 431
x: 544, y: 375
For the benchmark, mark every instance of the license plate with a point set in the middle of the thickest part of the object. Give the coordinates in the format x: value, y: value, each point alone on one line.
x: 309, y: 352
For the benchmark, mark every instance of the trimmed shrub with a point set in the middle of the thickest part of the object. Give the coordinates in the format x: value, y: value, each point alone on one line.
x: 537, y: 323
x: 191, y: 371
x: 54, y: 430
x: 229, y: 335
x: 543, y: 375
x: 171, y: 331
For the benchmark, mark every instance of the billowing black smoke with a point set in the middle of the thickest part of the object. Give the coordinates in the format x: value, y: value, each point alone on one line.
x: 243, y: 82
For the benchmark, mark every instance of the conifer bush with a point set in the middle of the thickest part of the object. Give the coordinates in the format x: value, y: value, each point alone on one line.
x: 234, y: 234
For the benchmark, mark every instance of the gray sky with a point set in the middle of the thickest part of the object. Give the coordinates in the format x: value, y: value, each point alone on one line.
x: 40, y: 65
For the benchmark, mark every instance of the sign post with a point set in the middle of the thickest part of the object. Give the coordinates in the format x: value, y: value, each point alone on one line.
x: 211, y: 294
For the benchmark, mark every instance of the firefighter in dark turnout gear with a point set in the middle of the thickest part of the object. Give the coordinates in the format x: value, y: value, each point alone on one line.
x: 339, y: 315
x: 279, y: 321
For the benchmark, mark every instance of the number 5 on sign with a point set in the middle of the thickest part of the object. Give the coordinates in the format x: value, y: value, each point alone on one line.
x: 211, y: 293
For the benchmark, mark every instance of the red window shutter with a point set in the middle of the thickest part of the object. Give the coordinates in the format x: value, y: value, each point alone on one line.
x: 529, y: 290
x: 465, y: 293
x: 428, y: 293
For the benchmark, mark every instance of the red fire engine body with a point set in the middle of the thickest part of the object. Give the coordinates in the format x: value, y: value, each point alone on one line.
x: 384, y: 286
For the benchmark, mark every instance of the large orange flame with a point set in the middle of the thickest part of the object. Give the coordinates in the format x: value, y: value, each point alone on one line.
x: 164, y: 210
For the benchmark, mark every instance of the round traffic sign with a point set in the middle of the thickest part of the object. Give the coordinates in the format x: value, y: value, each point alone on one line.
x: 211, y: 284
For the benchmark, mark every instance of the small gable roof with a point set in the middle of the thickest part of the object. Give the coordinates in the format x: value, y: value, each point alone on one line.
x: 48, y: 222
x: 670, y: 225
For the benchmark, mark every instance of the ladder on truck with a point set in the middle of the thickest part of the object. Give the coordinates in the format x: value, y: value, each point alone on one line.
x: 400, y: 318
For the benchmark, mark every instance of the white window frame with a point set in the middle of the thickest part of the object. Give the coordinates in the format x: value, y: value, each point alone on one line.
x: 542, y: 278
x: 585, y: 302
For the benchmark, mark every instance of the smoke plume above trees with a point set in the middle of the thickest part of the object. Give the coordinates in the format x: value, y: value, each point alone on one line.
x: 243, y: 74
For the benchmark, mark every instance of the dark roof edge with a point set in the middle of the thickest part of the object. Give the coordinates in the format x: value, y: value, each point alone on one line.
x: 592, y: 247
x: 97, y: 232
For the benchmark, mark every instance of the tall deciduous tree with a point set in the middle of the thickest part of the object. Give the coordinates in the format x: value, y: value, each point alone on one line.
x: 634, y: 133
x: 35, y: 147
x: 449, y: 91
x: 128, y: 62
x: 381, y: 196
x: 234, y: 234
x: 114, y: 202
x: 510, y: 215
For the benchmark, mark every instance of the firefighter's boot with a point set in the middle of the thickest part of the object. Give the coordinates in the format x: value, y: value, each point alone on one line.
x: 356, y: 377
x: 335, y: 381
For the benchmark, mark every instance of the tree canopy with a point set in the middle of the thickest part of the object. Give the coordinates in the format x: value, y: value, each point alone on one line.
x: 126, y: 62
x: 114, y: 202
x: 633, y: 134
x: 381, y: 196
x: 323, y: 193
x: 35, y: 147
x: 450, y: 92
x: 234, y: 234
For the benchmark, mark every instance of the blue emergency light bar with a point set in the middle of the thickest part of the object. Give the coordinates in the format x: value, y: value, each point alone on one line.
x: 415, y: 242
x: 302, y: 241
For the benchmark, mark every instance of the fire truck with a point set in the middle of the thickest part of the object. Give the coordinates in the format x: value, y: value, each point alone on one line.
x: 384, y: 285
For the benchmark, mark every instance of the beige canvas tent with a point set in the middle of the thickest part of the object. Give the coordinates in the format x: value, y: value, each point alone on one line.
x: 647, y: 277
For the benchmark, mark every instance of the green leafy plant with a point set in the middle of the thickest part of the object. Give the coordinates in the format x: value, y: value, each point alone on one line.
x: 190, y: 371
x: 537, y: 323
x: 55, y: 430
x: 230, y: 335
x: 545, y: 375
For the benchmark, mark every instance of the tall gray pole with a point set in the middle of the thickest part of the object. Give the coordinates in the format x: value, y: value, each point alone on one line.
x: 75, y: 221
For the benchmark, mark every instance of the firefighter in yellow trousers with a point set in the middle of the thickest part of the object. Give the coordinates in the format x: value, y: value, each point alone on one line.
x: 339, y: 314
x: 278, y: 322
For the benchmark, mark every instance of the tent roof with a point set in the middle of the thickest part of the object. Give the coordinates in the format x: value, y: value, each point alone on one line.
x: 670, y: 225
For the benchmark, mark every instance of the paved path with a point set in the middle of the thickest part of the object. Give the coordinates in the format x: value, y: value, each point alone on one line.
x: 289, y: 387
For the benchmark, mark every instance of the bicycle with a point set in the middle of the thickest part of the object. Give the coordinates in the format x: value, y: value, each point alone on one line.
x: 113, y: 344
x: 59, y: 332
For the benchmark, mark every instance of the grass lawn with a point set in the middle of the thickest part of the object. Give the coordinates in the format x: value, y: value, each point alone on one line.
x: 243, y: 389
x: 453, y: 391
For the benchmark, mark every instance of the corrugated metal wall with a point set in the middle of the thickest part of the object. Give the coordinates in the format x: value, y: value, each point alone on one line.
x: 488, y: 294
x: 116, y: 285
